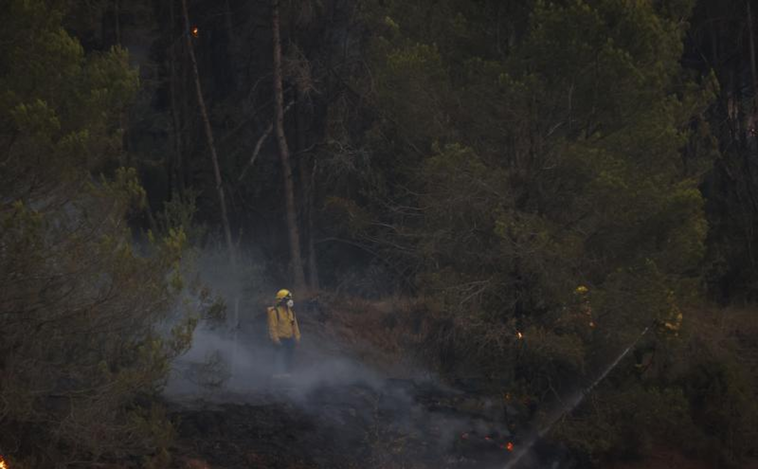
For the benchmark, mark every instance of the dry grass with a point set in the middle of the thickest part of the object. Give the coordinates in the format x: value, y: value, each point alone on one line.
x: 667, y: 458
x: 400, y: 336
x: 662, y: 458
x: 385, y: 334
x: 721, y: 332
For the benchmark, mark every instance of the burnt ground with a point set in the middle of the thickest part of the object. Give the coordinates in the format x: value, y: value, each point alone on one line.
x: 336, y: 411
x: 396, y: 424
x: 341, y: 409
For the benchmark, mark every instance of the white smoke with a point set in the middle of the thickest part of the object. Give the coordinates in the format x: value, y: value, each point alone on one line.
x: 234, y: 363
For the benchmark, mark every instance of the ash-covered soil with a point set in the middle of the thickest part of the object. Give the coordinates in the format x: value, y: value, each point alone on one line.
x: 394, y: 424
x: 334, y: 411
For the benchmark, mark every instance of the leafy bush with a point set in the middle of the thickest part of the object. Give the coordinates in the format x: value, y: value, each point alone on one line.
x: 86, y: 318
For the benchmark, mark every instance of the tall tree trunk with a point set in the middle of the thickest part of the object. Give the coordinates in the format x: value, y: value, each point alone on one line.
x: 232, y: 46
x: 209, y: 136
x: 289, y: 190
x: 117, y: 14
x: 751, y: 51
x: 307, y: 187
x: 312, y: 265
x: 176, y: 173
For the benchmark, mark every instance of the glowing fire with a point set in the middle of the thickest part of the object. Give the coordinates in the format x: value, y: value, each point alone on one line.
x: 592, y: 323
x: 195, y: 31
x: 3, y: 464
x: 520, y: 335
x: 488, y: 438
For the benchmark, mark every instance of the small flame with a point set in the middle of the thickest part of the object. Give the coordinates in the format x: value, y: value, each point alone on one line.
x: 3, y: 464
x: 509, y: 446
x: 520, y: 335
x: 195, y: 31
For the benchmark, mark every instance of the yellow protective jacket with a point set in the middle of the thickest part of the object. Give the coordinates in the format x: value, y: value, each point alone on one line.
x: 282, y: 324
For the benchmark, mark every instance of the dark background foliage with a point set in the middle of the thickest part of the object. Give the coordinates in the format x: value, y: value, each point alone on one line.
x: 486, y: 157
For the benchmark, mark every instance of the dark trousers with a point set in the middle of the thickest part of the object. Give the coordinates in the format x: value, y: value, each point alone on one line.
x: 284, y: 355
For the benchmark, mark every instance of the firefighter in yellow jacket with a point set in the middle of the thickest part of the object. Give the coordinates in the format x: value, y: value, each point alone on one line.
x: 283, y: 330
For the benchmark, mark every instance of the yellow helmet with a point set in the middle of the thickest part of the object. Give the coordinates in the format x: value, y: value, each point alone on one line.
x: 581, y: 289
x: 282, y: 294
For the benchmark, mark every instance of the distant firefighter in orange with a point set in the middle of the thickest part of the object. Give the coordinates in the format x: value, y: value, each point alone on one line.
x: 584, y: 308
x: 668, y: 325
x: 577, y: 315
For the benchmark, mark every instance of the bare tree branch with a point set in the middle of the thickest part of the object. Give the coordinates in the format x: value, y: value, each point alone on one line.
x: 259, y: 144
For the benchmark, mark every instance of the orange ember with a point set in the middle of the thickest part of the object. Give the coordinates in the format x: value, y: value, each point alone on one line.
x: 509, y: 446
x: 592, y: 323
x: 3, y: 464
x: 195, y: 31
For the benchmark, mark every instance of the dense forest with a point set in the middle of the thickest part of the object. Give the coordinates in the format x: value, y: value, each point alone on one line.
x: 538, y: 183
